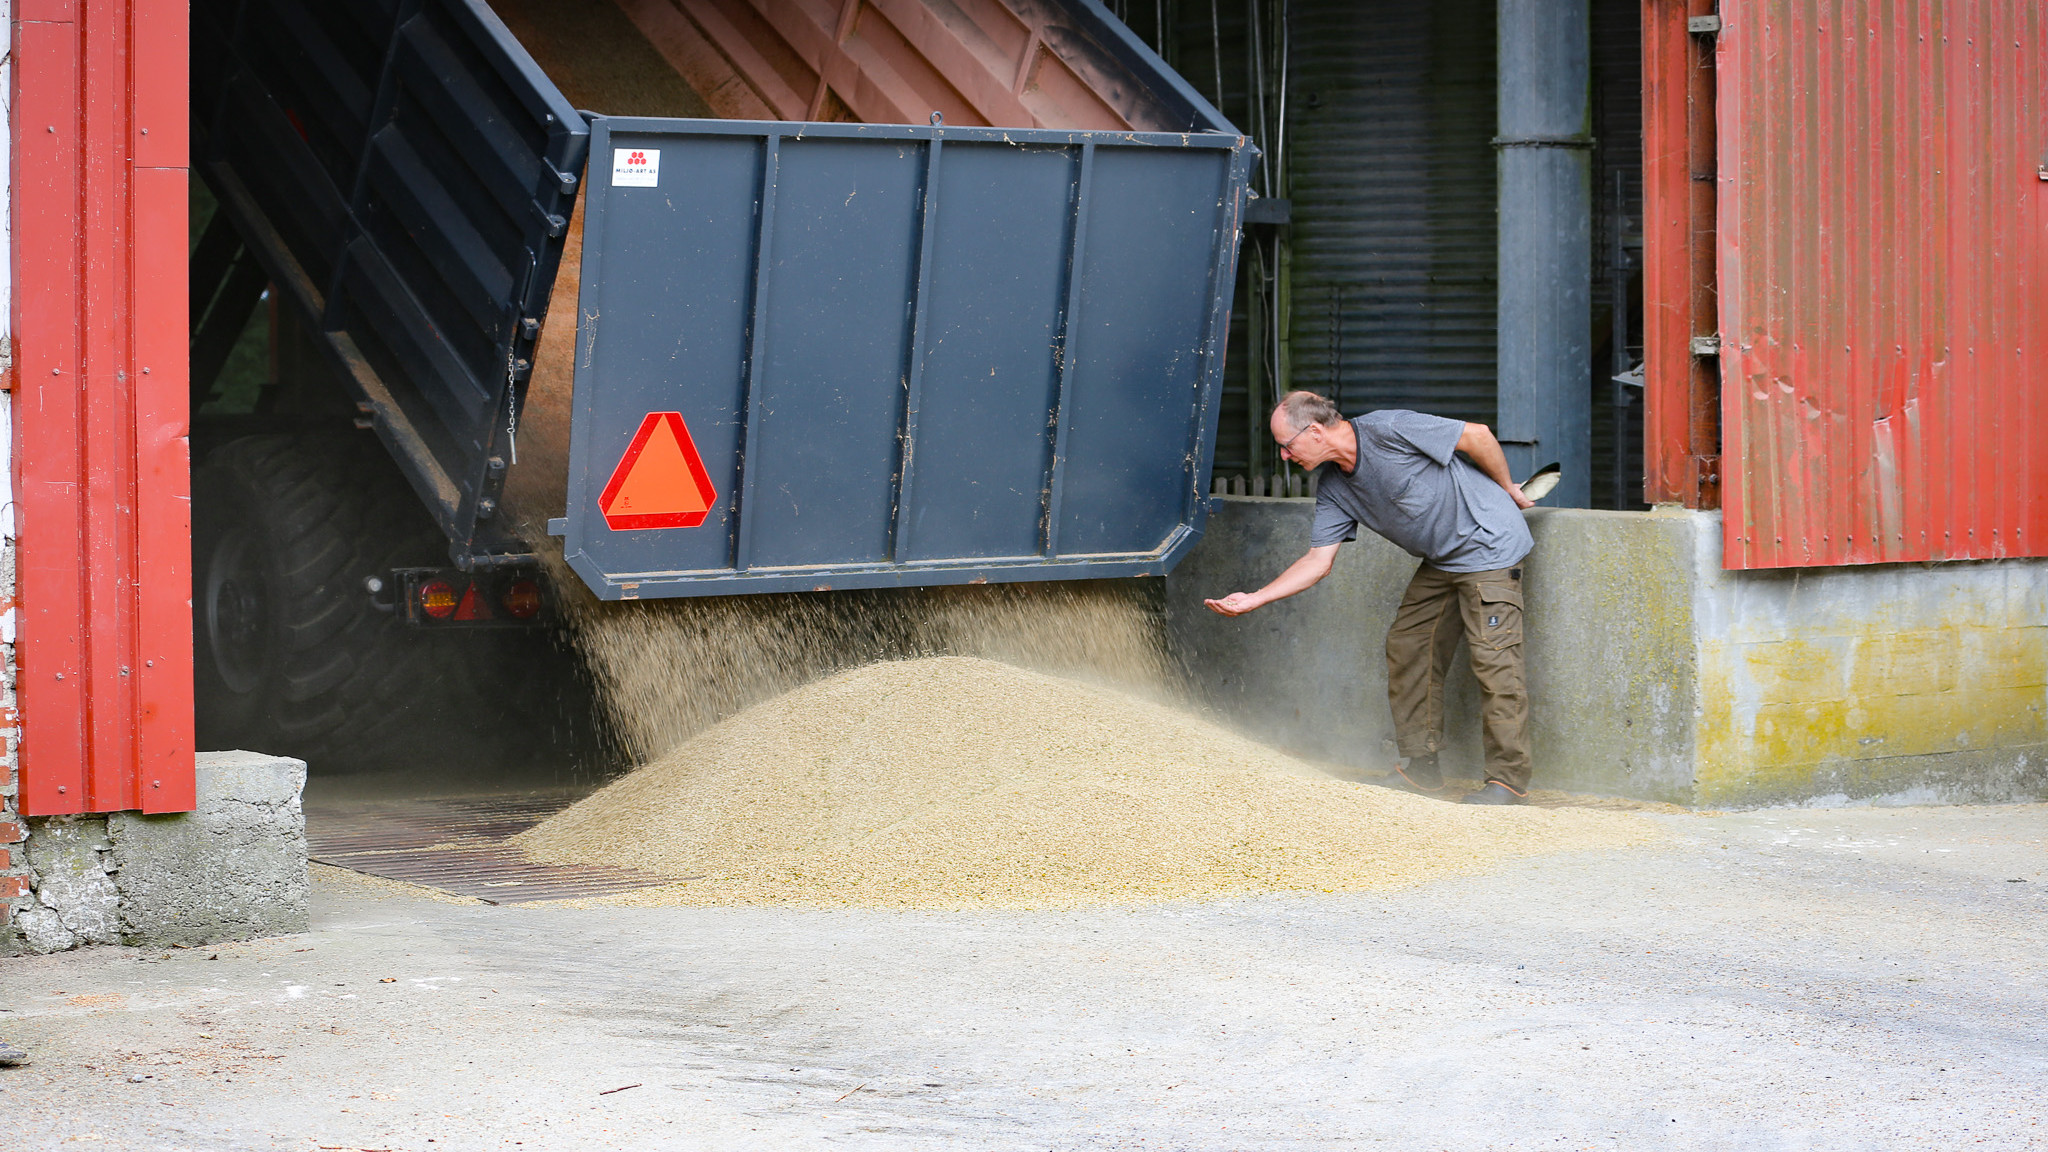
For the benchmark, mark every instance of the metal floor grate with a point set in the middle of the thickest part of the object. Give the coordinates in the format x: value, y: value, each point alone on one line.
x: 398, y: 839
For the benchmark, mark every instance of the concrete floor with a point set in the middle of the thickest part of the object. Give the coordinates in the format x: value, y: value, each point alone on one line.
x: 1787, y: 979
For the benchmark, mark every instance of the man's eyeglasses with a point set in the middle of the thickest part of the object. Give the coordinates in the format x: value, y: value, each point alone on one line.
x: 1289, y: 442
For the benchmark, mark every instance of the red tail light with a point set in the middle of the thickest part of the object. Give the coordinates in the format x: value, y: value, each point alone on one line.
x: 437, y: 599
x: 522, y: 600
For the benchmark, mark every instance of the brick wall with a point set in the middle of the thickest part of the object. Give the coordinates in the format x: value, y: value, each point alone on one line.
x: 14, y: 881
x: 14, y: 871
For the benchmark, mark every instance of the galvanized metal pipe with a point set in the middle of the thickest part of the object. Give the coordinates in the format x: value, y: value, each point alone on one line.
x: 1216, y: 47
x: 1621, y: 401
x: 1544, y: 336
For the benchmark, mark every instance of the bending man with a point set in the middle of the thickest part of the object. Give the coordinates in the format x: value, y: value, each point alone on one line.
x: 1440, y: 489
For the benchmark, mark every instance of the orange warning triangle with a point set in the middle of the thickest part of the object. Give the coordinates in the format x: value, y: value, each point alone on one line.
x: 660, y: 481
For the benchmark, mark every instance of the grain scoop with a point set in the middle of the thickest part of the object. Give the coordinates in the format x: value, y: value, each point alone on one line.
x: 1538, y: 486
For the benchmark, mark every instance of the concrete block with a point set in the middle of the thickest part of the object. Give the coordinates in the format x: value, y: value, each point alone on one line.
x: 1612, y: 688
x: 76, y: 900
x: 42, y: 931
x: 1887, y: 683
x: 232, y: 869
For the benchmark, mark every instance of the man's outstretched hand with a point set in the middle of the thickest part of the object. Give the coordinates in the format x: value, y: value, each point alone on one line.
x: 1298, y: 577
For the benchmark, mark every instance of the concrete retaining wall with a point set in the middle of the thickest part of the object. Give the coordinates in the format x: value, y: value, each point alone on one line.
x: 1652, y: 672
x: 1900, y: 681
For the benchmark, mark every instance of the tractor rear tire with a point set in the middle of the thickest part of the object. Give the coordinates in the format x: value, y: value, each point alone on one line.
x: 295, y: 656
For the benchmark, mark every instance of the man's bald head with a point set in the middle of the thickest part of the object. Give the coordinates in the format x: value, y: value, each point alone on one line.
x: 1301, y: 409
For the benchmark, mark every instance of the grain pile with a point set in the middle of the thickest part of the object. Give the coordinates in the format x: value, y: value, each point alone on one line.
x: 956, y: 782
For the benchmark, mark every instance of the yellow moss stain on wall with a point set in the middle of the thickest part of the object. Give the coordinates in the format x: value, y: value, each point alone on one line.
x: 2004, y: 657
x: 1905, y: 663
x: 1797, y: 670
x: 1772, y: 712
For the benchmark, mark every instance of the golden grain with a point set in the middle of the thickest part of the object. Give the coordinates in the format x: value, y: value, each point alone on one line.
x: 956, y: 782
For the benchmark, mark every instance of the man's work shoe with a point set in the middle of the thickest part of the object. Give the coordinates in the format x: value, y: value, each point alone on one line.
x: 1421, y: 774
x: 1496, y: 792
x: 10, y: 1055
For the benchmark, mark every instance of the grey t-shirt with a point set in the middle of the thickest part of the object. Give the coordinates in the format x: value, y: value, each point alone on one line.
x: 1412, y: 487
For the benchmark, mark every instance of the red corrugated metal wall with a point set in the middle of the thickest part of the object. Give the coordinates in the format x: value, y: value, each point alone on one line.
x: 103, y: 561
x: 1883, y: 275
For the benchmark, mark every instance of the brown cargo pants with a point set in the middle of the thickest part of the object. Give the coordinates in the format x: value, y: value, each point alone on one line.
x: 1419, y: 650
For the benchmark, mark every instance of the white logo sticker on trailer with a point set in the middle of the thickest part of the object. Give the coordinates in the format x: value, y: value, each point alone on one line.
x: 636, y: 167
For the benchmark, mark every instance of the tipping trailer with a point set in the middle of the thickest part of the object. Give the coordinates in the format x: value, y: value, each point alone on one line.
x: 945, y: 302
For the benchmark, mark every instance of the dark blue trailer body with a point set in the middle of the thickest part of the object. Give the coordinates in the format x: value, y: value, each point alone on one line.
x: 905, y: 355
x: 891, y: 354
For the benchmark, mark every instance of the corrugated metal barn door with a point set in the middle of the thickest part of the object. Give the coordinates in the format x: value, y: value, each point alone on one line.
x: 103, y: 567
x: 1883, y: 261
